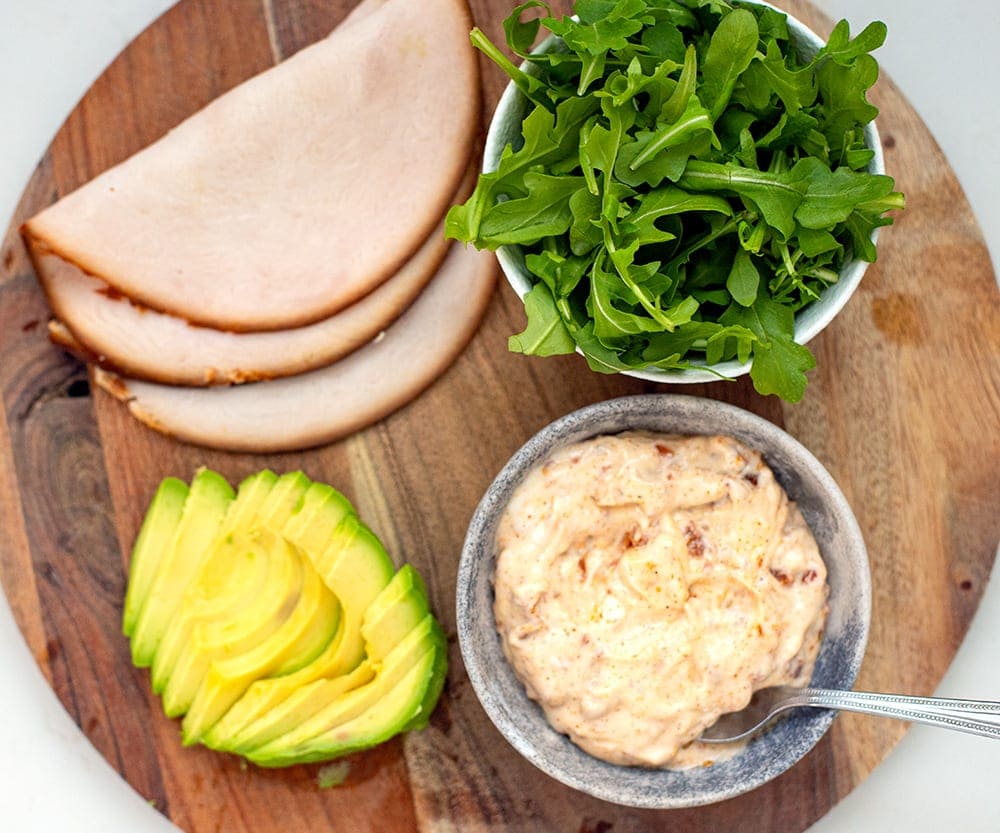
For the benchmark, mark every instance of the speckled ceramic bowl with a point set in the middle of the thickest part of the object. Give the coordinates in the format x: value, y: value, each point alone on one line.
x: 521, y: 720
x: 505, y: 129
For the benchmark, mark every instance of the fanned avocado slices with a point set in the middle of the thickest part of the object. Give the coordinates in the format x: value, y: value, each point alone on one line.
x: 259, y: 617
x: 203, y: 514
x: 397, y: 611
x: 276, y: 622
x: 219, y: 583
x: 357, y: 580
x: 294, y: 644
x: 379, y: 709
x: 229, y: 574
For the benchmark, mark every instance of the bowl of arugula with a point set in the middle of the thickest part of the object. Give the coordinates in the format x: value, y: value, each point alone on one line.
x: 681, y: 190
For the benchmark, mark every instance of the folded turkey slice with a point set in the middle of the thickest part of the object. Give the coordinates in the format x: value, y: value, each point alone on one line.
x: 323, y: 405
x: 295, y: 193
x: 115, y: 332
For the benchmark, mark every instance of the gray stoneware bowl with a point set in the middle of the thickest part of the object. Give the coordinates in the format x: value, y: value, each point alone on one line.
x: 505, y: 129
x: 522, y: 722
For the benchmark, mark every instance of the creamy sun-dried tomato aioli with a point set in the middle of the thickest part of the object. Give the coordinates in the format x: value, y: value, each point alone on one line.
x: 647, y: 584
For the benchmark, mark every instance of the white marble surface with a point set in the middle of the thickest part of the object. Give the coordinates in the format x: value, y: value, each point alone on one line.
x: 944, y: 57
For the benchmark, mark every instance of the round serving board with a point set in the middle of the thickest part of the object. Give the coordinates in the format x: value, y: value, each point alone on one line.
x: 906, y: 392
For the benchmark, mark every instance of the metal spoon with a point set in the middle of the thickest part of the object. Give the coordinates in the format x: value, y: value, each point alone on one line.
x: 977, y: 717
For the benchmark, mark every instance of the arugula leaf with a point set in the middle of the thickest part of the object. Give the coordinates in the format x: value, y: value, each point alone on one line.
x: 674, y: 107
x: 695, y: 118
x: 744, y: 279
x: 610, y: 322
x: 546, y: 333
x: 521, y: 34
x: 796, y: 88
x: 543, y: 212
x: 842, y: 49
x: 730, y: 52
x: 592, y: 40
x: 829, y: 196
x: 779, y: 363
x: 667, y: 201
x: 775, y: 195
x: 844, y: 91
x: 533, y: 88
x: 599, y: 357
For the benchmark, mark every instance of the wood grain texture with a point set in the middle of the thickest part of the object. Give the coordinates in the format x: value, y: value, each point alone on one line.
x: 906, y: 393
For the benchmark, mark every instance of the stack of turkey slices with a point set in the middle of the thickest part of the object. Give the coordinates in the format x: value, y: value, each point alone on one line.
x: 272, y: 274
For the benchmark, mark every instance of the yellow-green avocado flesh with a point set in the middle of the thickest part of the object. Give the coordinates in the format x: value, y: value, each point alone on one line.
x: 398, y: 610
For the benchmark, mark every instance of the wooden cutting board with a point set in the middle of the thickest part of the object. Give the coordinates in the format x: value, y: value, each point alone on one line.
x: 903, y: 409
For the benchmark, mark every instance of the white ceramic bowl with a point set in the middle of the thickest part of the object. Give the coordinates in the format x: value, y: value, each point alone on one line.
x: 505, y: 129
x: 522, y: 721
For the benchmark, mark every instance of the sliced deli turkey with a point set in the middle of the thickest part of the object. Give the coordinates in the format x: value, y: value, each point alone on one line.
x: 320, y: 406
x: 297, y: 192
x: 111, y: 330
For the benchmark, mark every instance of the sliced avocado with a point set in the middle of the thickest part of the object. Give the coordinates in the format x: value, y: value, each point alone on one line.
x: 312, y: 526
x: 266, y: 499
x: 396, y: 711
x: 298, y: 641
x: 356, y: 580
x: 244, y: 628
x: 218, y: 583
x: 303, y: 702
x: 162, y: 519
x: 203, y: 514
x: 379, y: 722
x: 394, y: 697
x: 284, y: 500
x: 398, y: 610
x: 435, y: 685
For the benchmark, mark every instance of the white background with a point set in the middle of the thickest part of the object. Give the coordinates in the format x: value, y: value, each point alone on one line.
x: 946, y: 59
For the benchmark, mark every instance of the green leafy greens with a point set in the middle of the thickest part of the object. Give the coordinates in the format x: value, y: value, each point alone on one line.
x: 686, y: 182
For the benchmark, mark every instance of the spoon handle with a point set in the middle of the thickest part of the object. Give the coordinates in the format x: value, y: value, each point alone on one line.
x: 977, y: 717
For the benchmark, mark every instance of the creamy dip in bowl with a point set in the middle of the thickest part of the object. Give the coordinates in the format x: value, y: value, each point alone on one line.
x: 647, y: 584
x: 641, y: 780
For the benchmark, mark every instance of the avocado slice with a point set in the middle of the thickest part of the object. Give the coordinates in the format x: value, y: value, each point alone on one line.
x: 297, y: 642
x: 396, y: 611
x: 246, y: 625
x: 218, y: 583
x: 357, y: 572
x: 157, y: 531
x: 435, y: 685
x: 203, y: 514
x: 285, y: 499
x: 311, y: 527
x: 365, y: 715
x: 387, y: 622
